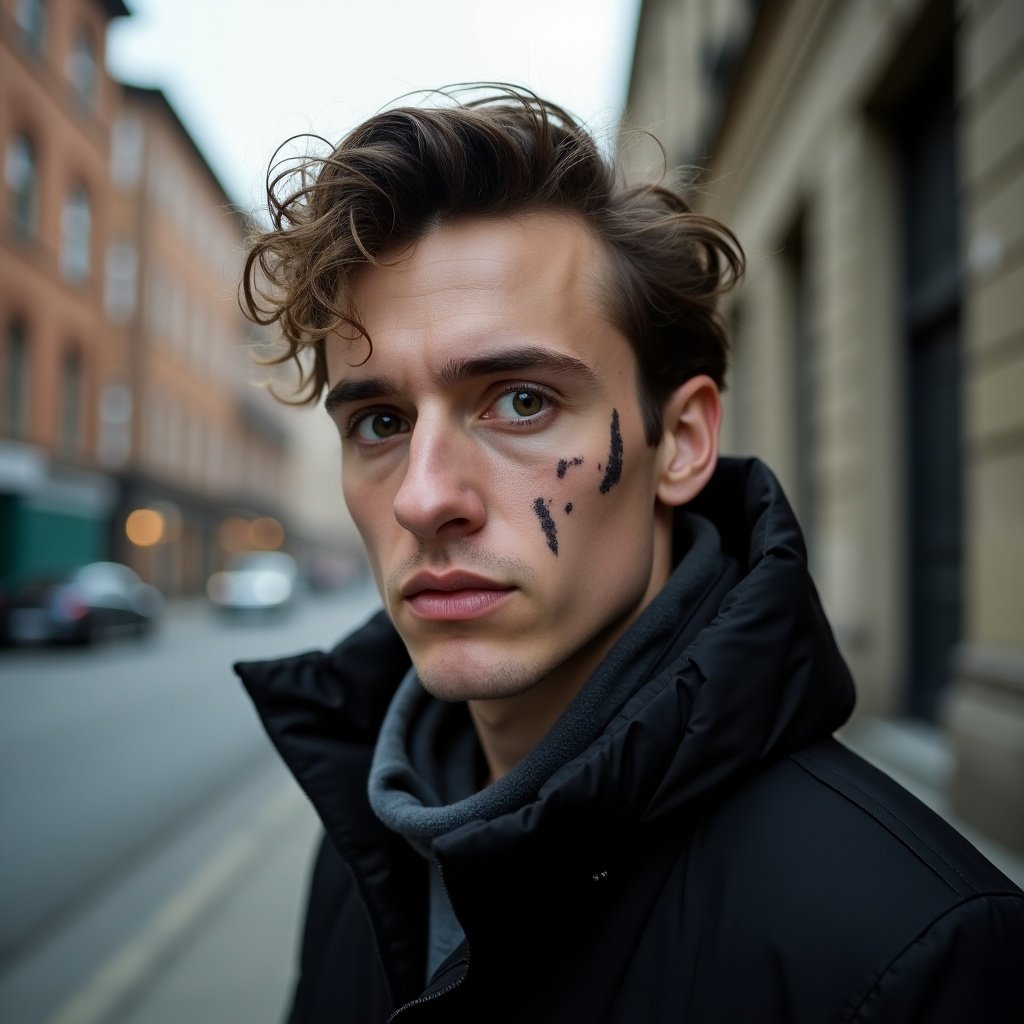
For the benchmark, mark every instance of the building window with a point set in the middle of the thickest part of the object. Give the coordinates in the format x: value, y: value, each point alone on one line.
x: 31, y: 18
x: 71, y: 403
x: 23, y: 182
x: 214, y: 458
x: 114, y: 445
x: 122, y: 281
x: 194, y: 455
x: 15, y: 411
x: 76, y: 235
x: 82, y: 68
x: 153, y: 430
x: 126, y: 141
x: 171, y: 455
x: 178, y: 333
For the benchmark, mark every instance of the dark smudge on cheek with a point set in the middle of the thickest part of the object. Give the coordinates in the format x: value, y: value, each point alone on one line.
x: 547, y: 524
x: 614, y: 468
x: 568, y: 508
x: 564, y: 464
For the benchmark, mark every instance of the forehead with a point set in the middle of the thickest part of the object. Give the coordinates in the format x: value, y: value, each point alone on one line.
x: 537, y: 278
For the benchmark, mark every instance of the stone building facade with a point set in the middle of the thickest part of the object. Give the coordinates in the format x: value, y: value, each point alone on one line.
x: 870, y: 156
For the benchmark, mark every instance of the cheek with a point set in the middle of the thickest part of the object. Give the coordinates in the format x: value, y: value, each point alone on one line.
x: 602, y: 504
x: 353, y: 496
x: 370, y: 506
x: 605, y: 545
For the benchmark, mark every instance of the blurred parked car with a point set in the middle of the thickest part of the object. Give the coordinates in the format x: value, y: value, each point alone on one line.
x: 257, y: 581
x: 83, y: 605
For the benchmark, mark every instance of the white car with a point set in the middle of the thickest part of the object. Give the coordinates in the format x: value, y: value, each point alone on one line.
x: 255, y: 581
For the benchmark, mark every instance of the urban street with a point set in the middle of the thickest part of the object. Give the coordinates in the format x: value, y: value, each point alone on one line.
x: 125, y: 769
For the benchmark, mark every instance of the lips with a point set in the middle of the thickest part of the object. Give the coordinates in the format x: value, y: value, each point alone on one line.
x: 453, y: 596
x: 448, y: 582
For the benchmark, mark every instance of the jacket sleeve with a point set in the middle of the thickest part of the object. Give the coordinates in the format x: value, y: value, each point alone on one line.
x: 966, y: 966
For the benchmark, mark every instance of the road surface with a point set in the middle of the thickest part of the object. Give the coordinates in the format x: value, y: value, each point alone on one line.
x: 122, y: 769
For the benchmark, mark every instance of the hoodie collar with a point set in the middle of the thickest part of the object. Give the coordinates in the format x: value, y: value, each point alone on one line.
x: 759, y: 677
x: 406, y: 787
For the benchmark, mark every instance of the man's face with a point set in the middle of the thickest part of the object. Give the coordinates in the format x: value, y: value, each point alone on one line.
x: 493, y: 456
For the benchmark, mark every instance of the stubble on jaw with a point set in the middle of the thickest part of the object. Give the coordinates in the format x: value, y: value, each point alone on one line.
x: 498, y: 682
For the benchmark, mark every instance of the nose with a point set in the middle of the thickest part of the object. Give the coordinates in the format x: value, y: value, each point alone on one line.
x: 439, y: 497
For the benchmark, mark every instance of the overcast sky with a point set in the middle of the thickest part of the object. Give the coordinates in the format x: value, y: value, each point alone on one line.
x: 246, y: 74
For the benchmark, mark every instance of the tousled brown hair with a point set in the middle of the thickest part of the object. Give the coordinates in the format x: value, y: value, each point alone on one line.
x: 410, y: 169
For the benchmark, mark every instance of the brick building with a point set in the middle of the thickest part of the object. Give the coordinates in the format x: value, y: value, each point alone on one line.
x: 56, y: 108
x: 125, y: 381
x: 870, y: 157
x: 185, y: 427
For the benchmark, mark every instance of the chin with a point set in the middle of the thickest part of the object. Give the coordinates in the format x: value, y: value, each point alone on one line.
x: 458, y: 679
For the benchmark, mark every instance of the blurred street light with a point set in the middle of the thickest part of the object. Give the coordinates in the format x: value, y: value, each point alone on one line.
x: 145, y: 527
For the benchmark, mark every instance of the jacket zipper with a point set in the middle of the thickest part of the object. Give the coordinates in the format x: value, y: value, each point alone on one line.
x: 464, y: 962
x: 461, y: 962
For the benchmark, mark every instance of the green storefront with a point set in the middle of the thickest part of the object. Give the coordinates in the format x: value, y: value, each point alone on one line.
x: 51, y: 518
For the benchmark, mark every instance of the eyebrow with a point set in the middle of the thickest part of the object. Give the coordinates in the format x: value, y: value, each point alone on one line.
x: 458, y: 371
x: 358, y: 391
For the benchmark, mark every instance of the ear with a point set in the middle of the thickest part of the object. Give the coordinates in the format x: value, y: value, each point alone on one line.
x: 688, y: 452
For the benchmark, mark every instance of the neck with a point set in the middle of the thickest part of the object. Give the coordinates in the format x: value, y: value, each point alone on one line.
x: 511, y: 727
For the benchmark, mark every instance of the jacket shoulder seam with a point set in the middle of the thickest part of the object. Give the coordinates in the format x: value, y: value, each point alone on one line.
x: 886, y: 971
x: 873, y: 807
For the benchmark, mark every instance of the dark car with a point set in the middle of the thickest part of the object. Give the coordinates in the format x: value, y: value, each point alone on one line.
x: 83, y: 605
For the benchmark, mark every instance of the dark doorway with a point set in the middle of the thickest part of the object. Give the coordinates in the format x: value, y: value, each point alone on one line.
x: 926, y: 140
x: 804, y: 380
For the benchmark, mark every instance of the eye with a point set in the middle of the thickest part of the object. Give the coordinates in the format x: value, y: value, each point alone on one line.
x: 521, y: 403
x: 374, y: 427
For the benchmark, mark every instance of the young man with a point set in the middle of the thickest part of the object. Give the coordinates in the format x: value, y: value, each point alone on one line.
x: 605, y: 788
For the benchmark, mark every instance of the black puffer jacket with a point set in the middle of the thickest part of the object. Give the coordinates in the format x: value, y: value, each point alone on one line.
x: 713, y: 857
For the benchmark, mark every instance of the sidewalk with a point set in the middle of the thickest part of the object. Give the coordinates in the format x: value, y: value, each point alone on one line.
x: 222, y: 950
